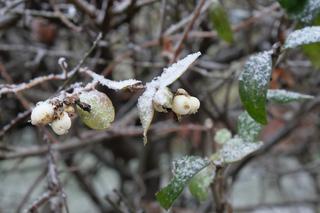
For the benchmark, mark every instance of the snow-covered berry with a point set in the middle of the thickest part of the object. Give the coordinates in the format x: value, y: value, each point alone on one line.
x: 61, y: 125
x: 181, y: 105
x: 194, y: 103
x: 42, y: 114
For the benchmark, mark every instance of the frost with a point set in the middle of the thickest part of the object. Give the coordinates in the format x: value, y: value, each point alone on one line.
x: 222, y: 136
x: 173, y: 72
x: 253, y: 85
x: 115, y: 85
x: 310, y: 11
x: 155, y: 90
x: 183, y: 169
x: 236, y: 149
x: 248, y: 129
x: 283, y: 96
x: 145, y: 108
x: 303, y: 36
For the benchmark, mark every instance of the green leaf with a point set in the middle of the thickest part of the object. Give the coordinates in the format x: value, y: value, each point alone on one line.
x: 183, y: 169
x: 313, y: 53
x: 236, y: 149
x: 200, y: 183
x: 248, y: 129
x: 101, y: 110
x: 222, y: 136
x: 293, y: 6
x: 284, y: 96
x: 220, y: 21
x: 253, y: 85
x: 303, y: 36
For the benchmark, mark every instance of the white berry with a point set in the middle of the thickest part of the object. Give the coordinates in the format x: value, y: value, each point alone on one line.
x: 181, y: 105
x: 195, y: 104
x: 42, y: 113
x: 61, y: 125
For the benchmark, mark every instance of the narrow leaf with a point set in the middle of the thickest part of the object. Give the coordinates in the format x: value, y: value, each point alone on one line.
x: 310, y: 11
x: 284, y: 96
x: 183, y: 169
x: 173, y: 72
x: 145, y: 109
x: 248, y: 129
x: 253, y: 85
x: 303, y: 36
x: 293, y: 6
x: 219, y: 19
x: 199, y: 184
x: 115, y: 85
x: 313, y: 53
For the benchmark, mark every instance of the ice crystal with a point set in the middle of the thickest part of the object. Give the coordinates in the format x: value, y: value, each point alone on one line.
x: 303, y: 36
x: 284, y: 96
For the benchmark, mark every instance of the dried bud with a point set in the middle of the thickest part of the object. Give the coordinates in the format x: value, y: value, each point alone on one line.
x: 42, y: 114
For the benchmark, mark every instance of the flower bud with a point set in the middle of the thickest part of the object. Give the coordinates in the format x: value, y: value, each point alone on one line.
x: 194, y: 103
x: 181, y: 105
x: 42, y: 114
x: 61, y: 125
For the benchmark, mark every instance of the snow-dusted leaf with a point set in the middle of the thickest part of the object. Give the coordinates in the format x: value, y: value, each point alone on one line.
x: 115, y: 85
x: 173, y: 72
x: 145, y: 108
x: 162, y: 99
x: 310, y: 12
x: 303, y: 36
x: 183, y: 170
x: 293, y: 6
x: 199, y: 184
x: 253, y: 85
x: 284, y: 96
x: 236, y: 149
x: 248, y: 129
x: 222, y: 136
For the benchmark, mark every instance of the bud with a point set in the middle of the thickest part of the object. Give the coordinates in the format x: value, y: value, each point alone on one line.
x: 181, y: 105
x: 61, y: 125
x: 194, y: 103
x: 42, y: 114
x: 163, y: 100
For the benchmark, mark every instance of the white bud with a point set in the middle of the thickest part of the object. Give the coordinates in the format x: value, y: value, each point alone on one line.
x: 42, y: 113
x: 195, y: 104
x: 181, y: 105
x: 61, y: 125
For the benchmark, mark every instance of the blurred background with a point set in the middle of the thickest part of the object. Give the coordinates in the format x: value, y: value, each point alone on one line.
x: 111, y: 170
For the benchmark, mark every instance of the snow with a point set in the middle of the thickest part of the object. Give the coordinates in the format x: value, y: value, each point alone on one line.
x: 303, y: 36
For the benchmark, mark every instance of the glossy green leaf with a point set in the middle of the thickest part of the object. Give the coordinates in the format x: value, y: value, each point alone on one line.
x: 220, y: 21
x: 183, y: 170
x: 253, y: 85
x: 307, y: 35
x: 293, y: 6
x: 101, y: 110
x: 248, y: 129
x: 199, y: 184
x: 284, y: 96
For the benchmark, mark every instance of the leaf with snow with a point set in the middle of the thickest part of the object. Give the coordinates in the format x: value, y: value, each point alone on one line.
x: 115, y: 85
x: 145, y: 109
x: 236, y: 149
x: 173, y: 72
x: 303, y: 36
x: 199, y: 184
x: 310, y: 11
x: 253, y: 85
x: 183, y: 170
x: 248, y: 129
x: 283, y: 96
